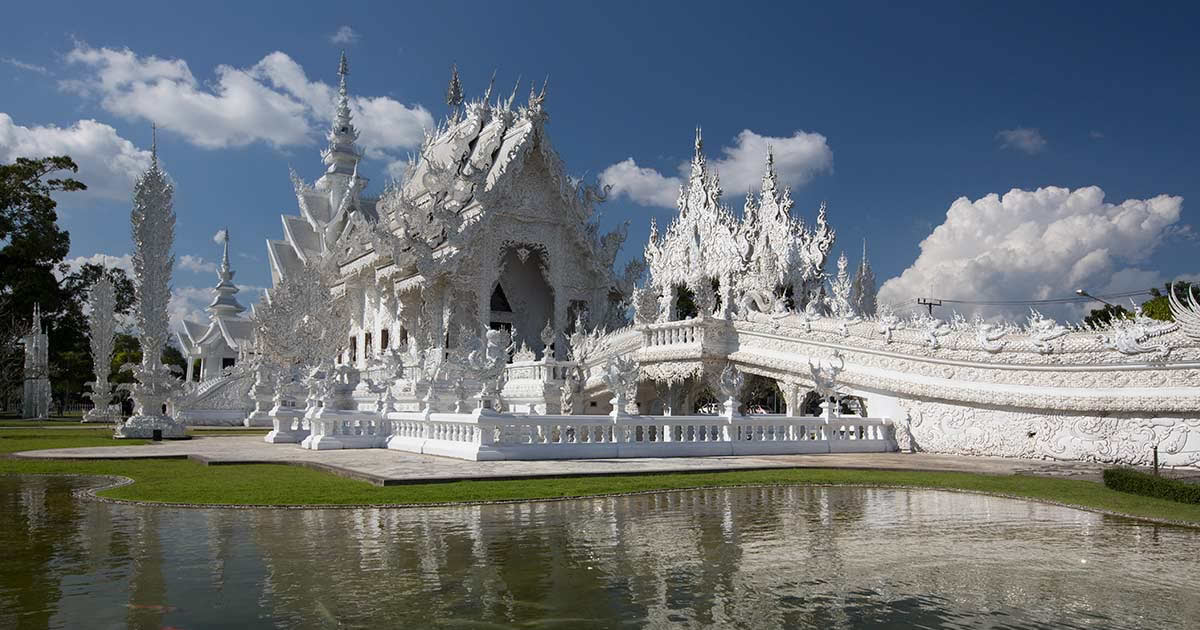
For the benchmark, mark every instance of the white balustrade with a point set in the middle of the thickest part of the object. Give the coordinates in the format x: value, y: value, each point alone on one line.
x: 333, y: 429
x: 668, y: 333
x: 531, y: 437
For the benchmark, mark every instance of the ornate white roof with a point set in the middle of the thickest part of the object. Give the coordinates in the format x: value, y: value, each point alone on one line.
x: 225, y: 325
x: 464, y: 170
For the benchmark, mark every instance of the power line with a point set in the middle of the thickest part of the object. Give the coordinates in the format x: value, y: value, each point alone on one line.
x: 1063, y: 300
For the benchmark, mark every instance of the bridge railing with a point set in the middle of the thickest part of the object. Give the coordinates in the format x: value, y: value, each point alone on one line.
x: 670, y: 333
x: 529, y: 437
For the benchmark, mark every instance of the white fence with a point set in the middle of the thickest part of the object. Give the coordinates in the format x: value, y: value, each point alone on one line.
x: 534, y: 437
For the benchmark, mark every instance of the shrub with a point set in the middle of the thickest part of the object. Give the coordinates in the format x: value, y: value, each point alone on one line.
x: 1145, y: 484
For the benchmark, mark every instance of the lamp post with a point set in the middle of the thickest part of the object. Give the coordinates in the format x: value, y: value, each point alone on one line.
x: 1083, y: 293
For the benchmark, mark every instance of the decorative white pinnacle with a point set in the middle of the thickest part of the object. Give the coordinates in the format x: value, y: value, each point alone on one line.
x: 153, y: 229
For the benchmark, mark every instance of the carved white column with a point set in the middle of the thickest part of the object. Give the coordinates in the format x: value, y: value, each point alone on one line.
x: 264, y: 396
x: 153, y: 230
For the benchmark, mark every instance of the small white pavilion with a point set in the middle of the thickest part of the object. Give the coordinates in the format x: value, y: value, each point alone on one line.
x: 218, y: 345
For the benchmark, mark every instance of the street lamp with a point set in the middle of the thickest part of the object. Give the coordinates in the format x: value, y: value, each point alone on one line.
x: 1083, y: 293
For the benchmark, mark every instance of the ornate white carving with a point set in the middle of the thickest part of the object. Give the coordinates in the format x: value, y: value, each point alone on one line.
x: 488, y: 190
x: 101, y: 332
x: 620, y: 377
x: 153, y: 229
x: 1129, y: 336
x: 1042, y: 330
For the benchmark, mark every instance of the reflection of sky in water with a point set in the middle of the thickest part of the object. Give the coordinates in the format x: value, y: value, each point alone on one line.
x: 752, y: 558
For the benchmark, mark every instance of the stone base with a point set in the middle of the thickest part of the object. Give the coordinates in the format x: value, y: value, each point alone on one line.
x: 98, y: 417
x: 211, y: 417
x: 321, y: 443
x: 143, y: 427
x: 258, y: 419
x: 283, y: 420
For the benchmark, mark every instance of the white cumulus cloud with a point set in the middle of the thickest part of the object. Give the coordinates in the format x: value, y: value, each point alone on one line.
x: 1034, y: 245
x: 272, y: 101
x: 798, y: 158
x: 642, y: 185
x: 196, y: 264
x: 124, y: 261
x: 344, y: 35
x: 108, y: 163
x: 30, y: 67
x: 1022, y: 139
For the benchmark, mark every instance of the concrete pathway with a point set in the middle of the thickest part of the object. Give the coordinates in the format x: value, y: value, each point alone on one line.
x: 384, y: 467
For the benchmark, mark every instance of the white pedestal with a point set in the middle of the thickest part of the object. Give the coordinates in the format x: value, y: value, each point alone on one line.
x: 144, y: 427
x: 283, y: 419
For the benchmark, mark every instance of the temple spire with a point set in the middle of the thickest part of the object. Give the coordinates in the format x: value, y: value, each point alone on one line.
x: 454, y: 95
x: 513, y: 97
x: 864, y: 287
x: 487, y: 97
x: 699, y: 163
x: 342, y: 153
x: 225, y: 253
x: 224, y: 302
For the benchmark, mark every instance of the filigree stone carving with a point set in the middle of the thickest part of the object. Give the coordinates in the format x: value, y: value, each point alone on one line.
x: 1130, y: 336
x: 620, y: 377
x: 101, y: 332
x: 153, y: 227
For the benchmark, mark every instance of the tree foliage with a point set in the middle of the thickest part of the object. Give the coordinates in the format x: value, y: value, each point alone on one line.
x: 32, y: 250
x: 1100, y: 317
x: 1157, y: 307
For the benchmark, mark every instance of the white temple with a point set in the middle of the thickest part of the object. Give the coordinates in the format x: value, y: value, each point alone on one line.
x: 216, y: 346
x: 474, y: 312
x: 487, y: 231
x: 35, y: 402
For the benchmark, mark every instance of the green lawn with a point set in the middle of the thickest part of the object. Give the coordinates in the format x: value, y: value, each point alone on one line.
x: 13, y: 440
x: 16, y: 422
x: 181, y: 481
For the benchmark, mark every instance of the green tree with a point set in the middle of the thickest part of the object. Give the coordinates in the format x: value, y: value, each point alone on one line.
x: 71, y: 361
x: 1158, y: 306
x: 1103, y: 316
x: 127, y: 349
x: 79, y: 283
x: 33, y: 248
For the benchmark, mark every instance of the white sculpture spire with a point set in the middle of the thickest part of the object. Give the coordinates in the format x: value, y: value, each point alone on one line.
x: 454, y: 95
x: 153, y: 230
x: 36, y: 401
x: 342, y: 153
x: 864, y: 286
x: 224, y: 302
x: 841, y: 288
x: 101, y: 330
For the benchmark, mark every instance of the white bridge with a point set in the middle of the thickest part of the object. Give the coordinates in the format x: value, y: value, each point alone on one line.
x: 1038, y: 392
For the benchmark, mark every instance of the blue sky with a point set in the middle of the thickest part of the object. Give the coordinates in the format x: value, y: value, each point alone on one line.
x: 915, y: 108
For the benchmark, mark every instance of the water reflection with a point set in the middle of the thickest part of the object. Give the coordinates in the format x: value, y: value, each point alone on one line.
x: 749, y: 558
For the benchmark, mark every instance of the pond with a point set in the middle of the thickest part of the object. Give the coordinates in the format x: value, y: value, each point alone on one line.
x: 738, y: 558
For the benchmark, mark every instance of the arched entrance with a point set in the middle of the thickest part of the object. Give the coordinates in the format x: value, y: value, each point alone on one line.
x: 522, y: 300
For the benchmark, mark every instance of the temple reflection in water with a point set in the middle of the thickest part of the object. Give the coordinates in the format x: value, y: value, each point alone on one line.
x: 740, y: 557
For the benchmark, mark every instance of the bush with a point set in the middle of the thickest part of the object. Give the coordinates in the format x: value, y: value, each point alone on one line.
x: 1147, y: 485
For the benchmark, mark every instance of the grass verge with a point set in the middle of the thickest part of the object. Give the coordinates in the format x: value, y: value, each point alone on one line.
x: 182, y: 481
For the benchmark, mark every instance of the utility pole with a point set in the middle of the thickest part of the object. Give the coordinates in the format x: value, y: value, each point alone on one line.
x: 930, y: 303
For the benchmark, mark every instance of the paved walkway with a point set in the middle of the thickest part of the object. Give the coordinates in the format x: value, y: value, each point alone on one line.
x: 384, y: 467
